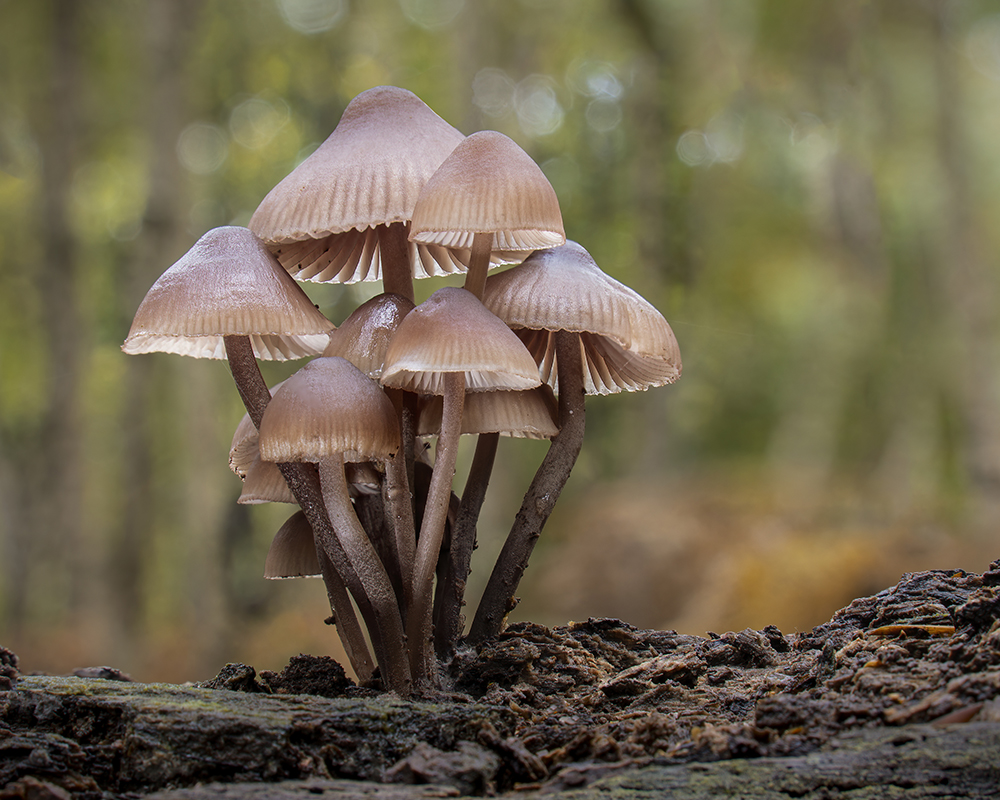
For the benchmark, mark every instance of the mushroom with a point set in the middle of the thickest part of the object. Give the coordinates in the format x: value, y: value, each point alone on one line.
x: 228, y: 297
x: 343, y: 214
x: 488, y: 195
x: 363, y: 339
x: 330, y: 413
x: 292, y: 553
x: 571, y: 315
x: 447, y: 345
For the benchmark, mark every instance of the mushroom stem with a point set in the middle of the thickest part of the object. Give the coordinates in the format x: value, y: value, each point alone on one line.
x: 304, y: 484
x: 541, y: 497
x: 337, y: 572
x: 479, y: 264
x: 394, y: 250
x: 346, y: 621
x: 419, y: 621
x: 399, y: 512
x: 246, y: 375
x: 463, y: 541
x: 390, y: 644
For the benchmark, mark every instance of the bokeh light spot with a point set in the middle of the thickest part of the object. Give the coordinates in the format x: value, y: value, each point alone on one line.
x: 202, y: 148
x: 312, y: 16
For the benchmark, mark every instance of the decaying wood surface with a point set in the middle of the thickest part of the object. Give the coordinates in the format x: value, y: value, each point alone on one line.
x: 897, y: 695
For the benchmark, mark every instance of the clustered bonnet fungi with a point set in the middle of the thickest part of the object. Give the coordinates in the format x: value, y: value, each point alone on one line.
x: 396, y: 193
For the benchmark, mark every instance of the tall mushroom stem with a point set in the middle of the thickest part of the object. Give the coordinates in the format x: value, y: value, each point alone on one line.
x: 420, y: 622
x: 390, y: 643
x: 448, y: 616
x: 479, y: 264
x: 541, y: 497
x: 394, y: 250
x: 304, y: 483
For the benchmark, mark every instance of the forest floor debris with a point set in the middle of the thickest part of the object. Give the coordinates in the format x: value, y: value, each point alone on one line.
x: 544, y: 709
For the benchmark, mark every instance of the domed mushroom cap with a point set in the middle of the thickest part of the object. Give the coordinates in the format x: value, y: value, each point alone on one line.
x: 530, y: 414
x: 365, y: 335
x: 452, y: 331
x: 320, y: 219
x: 329, y: 408
x: 264, y: 483
x: 488, y: 185
x: 625, y: 342
x: 228, y: 283
x: 293, y: 551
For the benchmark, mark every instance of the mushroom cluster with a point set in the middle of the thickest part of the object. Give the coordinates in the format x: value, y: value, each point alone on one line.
x: 396, y: 193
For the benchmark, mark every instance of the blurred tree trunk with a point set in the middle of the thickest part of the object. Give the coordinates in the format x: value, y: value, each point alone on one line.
x: 50, y: 473
x: 169, y: 27
x: 967, y: 283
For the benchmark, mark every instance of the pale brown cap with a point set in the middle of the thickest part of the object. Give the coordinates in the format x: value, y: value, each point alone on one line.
x: 625, y: 342
x: 329, y: 408
x: 293, y: 551
x: 321, y: 219
x: 488, y: 185
x: 452, y: 331
x: 364, y: 336
x: 264, y: 483
x: 530, y: 414
x: 228, y: 283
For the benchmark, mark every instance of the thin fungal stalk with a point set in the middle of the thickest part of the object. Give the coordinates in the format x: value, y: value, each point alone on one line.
x: 304, y: 483
x: 498, y: 598
x: 479, y: 264
x: 448, y: 616
x: 420, y: 620
x: 394, y: 250
x: 390, y: 644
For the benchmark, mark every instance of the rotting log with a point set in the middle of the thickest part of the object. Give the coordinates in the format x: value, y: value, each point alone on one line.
x: 122, y: 737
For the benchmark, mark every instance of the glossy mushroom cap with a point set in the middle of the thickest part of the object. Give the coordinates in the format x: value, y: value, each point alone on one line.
x: 625, y: 342
x: 320, y: 220
x: 530, y: 414
x: 365, y: 335
x: 228, y: 283
x: 452, y: 331
x: 488, y: 185
x: 329, y: 408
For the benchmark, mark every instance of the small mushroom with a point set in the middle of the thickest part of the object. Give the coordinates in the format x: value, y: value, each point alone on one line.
x: 487, y: 196
x: 589, y: 333
x: 447, y: 345
x: 343, y: 214
x: 292, y: 553
x: 330, y: 413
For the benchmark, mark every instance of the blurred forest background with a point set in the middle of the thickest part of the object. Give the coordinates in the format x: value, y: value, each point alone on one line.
x: 808, y: 191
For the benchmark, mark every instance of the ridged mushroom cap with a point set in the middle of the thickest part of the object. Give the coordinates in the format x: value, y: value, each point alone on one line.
x: 227, y: 283
x: 322, y: 220
x: 530, y: 414
x: 452, y: 331
x: 329, y: 408
x: 488, y: 185
x: 626, y: 344
x: 293, y: 551
x: 364, y: 336
x: 264, y: 483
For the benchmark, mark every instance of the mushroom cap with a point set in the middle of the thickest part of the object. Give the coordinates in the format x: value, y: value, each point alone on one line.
x: 293, y: 551
x: 227, y: 283
x: 488, y: 185
x: 625, y: 342
x: 321, y: 220
x: 364, y: 336
x: 530, y: 414
x: 329, y: 408
x: 451, y: 331
x: 264, y: 483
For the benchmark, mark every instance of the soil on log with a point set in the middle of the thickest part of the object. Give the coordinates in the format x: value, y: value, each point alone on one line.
x: 897, y: 695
